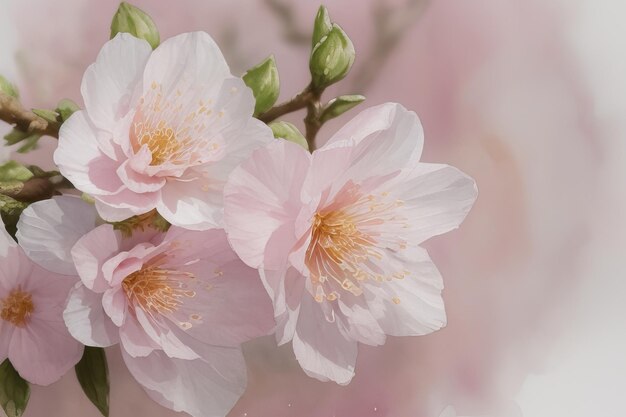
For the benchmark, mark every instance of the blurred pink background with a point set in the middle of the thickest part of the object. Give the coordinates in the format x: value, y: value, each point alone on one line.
x: 528, y: 97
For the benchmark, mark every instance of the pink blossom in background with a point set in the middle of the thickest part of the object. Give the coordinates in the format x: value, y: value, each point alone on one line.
x: 136, y: 102
x: 336, y: 234
x: 33, y: 335
x: 180, y: 304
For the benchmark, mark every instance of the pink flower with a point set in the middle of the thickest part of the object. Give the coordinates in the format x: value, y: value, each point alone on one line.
x: 180, y: 304
x: 336, y: 235
x: 161, y: 129
x: 33, y: 335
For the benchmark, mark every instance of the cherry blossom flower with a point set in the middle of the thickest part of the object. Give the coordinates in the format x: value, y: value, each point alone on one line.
x: 336, y: 236
x: 161, y: 129
x: 33, y: 335
x: 180, y: 303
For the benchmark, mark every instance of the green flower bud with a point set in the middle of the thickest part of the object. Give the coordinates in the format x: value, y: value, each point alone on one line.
x: 331, y: 58
x: 340, y: 105
x: 135, y: 21
x: 7, y: 88
x: 265, y: 84
x: 322, y: 25
x: 287, y: 131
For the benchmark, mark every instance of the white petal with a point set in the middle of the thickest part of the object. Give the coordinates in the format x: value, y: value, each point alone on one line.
x: 381, y: 120
x: 108, y: 84
x: 188, y: 205
x: 411, y: 306
x: 262, y: 201
x: 86, y: 320
x: 376, y: 143
x: 48, y: 229
x: 322, y: 348
x: 14, y: 264
x: 436, y: 198
x: 184, y: 61
x: 201, y: 388
x: 90, y: 169
x: 92, y: 251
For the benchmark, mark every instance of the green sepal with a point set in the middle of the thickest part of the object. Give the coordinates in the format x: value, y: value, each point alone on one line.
x: 92, y: 373
x: 339, y: 106
x: 322, y: 25
x: 287, y: 131
x: 14, y: 390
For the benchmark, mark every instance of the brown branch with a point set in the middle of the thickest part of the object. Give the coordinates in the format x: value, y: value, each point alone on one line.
x: 35, y: 189
x: 12, y: 112
x: 298, y: 102
x: 309, y: 98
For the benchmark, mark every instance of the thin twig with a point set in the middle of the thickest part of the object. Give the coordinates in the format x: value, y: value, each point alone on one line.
x: 298, y: 102
x: 12, y: 112
x: 284, y: 12
x: 309, y: 98
x: 390, y: 27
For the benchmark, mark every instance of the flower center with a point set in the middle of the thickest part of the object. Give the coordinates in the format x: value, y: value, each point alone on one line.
x: 161, y: 141
x: 156, y: 290
x: 174, y: 130
x: 349, y: 240
x: 17, y: 308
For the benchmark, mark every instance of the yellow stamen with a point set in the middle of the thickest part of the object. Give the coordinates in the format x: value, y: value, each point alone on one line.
x: 17, y: 308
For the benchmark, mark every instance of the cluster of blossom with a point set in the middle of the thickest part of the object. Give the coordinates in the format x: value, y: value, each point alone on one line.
x: 257, y: 235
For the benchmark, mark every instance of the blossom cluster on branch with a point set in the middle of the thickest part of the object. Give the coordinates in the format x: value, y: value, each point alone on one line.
x: 184, y: 219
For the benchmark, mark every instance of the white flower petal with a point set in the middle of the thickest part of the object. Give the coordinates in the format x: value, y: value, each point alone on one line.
x: 189, y: 61
x: 261, y: 202
x: 382, y: 120
x: 86, y: 320
x: 411, y: 306
x: 109, y: 83
x: 207, y: 387
x: 323, y: 349
x: 48, y: 229
x: 436, y: 198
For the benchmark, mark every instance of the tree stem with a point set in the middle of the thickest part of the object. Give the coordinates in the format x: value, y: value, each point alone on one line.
x: 309, y: 98
x: 12, y: 112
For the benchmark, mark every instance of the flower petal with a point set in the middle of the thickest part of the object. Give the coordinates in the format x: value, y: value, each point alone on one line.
x: 86, y: 320
x: 43, y: 351
x: 202, y: 388
x: 323, y: 349
x: 380, y: 120
x: 187, y: 204
x: 377, y: 143
x: 436, y: 198
x: 262, y: 201
x: 185, y: 60
x: 411, y: 306
x: 108, y: 84
x: 48, y: 229
x: 14, y: 264
x: 90, y: 169
x: 92, y: 251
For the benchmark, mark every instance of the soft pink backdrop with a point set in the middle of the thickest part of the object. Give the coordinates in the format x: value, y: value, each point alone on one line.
x: 508, y: 93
